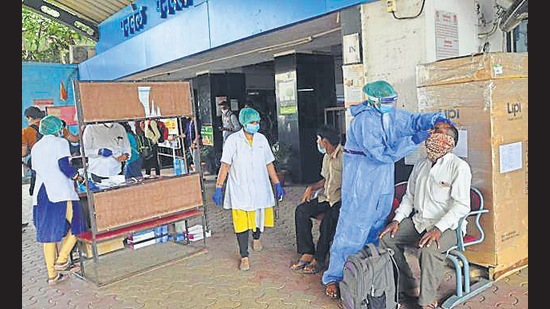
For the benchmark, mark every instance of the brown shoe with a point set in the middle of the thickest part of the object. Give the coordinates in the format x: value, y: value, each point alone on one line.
x: 245, y: 264
x: 257, y: 245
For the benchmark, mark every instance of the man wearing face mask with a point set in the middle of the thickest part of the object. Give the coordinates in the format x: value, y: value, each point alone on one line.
x: 247, y: 164
x: 378, y: 136
x: 230, y: 123
x: 438, y: 195
x: 312, y: 259
x: 106, y: 146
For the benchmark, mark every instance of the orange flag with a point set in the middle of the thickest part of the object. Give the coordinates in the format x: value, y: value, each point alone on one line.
x: 63, y: 94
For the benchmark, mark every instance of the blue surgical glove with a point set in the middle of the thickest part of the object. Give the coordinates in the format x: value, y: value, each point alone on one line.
x: 440, y: 117
x: 420, y: 136
x: 106, y: 152
x: 217, y: 197
x: 279, y: 191
x: 92, y: 186
x: 444, y: 120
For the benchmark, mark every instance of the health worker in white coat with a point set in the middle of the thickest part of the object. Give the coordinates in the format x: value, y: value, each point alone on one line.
x: 57, y: 214
x: 247, y: 164
x: 106, y: 146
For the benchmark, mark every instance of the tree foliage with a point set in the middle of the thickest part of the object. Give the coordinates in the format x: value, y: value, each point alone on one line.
x: 46, y: 40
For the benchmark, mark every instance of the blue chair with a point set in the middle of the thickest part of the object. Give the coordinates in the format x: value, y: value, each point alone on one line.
x: 464, y: 289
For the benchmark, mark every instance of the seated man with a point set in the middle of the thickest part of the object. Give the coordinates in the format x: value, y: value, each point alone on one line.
x: 438, y: 193
x: 312, y: 259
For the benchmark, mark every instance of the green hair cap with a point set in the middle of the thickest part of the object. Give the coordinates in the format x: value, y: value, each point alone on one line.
x: 380, y: 92
x: 50, y: 125
x: 248, y: 115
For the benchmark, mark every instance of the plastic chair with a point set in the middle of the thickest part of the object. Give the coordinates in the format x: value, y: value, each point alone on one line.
x: 464, y: 289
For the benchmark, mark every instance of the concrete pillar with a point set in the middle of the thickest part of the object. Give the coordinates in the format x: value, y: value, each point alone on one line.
x: 304, y: 86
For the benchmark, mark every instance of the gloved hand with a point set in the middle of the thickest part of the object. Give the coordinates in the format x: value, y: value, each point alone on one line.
x: 217, y: 197
x: 106, y: 152
x: 279, y: 191
x: 441, y: 118
x: 92, y: 186
x: 420, y: 136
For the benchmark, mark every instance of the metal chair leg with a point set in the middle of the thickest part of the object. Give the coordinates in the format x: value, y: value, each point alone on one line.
x: 463, y: 292
x: 465, y: 269
x: 458, y: 274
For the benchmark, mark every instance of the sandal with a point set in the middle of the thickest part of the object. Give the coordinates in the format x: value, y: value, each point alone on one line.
x: 300, y: 264
x: 245, y: 264
x: 332, y: 290
x: 257, y: 245
x: 57, y: 279
x: 62, y: 266
x: 312, y: 267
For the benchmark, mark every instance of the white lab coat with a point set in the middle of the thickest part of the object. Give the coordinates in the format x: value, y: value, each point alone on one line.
x: 248, y: 185
x: 45, y: 155
x: 440, y: 194
x: 98, y: 136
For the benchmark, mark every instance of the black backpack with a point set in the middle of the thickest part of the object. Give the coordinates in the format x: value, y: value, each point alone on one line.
x: 145, y: 147
x: 370, y: 280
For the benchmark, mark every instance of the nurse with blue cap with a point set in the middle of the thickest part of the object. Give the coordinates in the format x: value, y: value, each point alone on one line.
x: 247, y: 164
x: 378, y: 136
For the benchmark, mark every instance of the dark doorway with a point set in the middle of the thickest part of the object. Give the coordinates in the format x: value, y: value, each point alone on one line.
x: 263, y: 100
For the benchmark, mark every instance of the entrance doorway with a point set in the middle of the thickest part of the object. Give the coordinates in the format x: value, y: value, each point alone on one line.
x: 263, y: 100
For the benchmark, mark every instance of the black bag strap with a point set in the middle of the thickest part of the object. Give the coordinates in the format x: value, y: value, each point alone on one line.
x: 38, y: 134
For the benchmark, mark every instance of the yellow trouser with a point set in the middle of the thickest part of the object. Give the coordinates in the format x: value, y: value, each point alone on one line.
x: 246, y: 220
x: 67, y: 244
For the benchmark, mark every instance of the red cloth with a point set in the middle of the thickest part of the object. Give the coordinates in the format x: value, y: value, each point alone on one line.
x: 162, y: 129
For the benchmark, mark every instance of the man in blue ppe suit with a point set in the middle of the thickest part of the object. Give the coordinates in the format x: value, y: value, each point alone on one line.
x: 379, y: 135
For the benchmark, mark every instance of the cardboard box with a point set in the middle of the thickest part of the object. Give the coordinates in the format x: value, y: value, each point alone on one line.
x: 103, y: 247
x: 141, y: 236
x: 196, y: 233
x: 477, y: 67
x: 148, y: 242
x: 492, y: 118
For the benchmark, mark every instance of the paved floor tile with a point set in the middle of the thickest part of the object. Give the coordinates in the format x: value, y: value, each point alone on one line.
x: 212, y: 279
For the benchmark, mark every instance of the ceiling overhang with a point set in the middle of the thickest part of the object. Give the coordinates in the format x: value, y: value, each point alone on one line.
x: 316, y: 36
x: 81, y: 15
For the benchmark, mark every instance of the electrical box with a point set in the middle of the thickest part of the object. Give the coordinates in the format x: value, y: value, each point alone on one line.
x: 390, y: 6
x: 79, y: 53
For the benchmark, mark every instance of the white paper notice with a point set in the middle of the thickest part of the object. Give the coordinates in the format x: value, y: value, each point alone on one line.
x: 510, y: 157
x: 461, y: 148
x: 446, y: 35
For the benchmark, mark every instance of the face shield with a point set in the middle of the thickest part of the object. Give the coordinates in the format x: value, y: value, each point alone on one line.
x: 382, y: 104
x: 380, y: 95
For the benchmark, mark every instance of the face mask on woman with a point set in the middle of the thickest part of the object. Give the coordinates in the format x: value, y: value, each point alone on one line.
x: 252, y: 128
x: 385, y: 108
